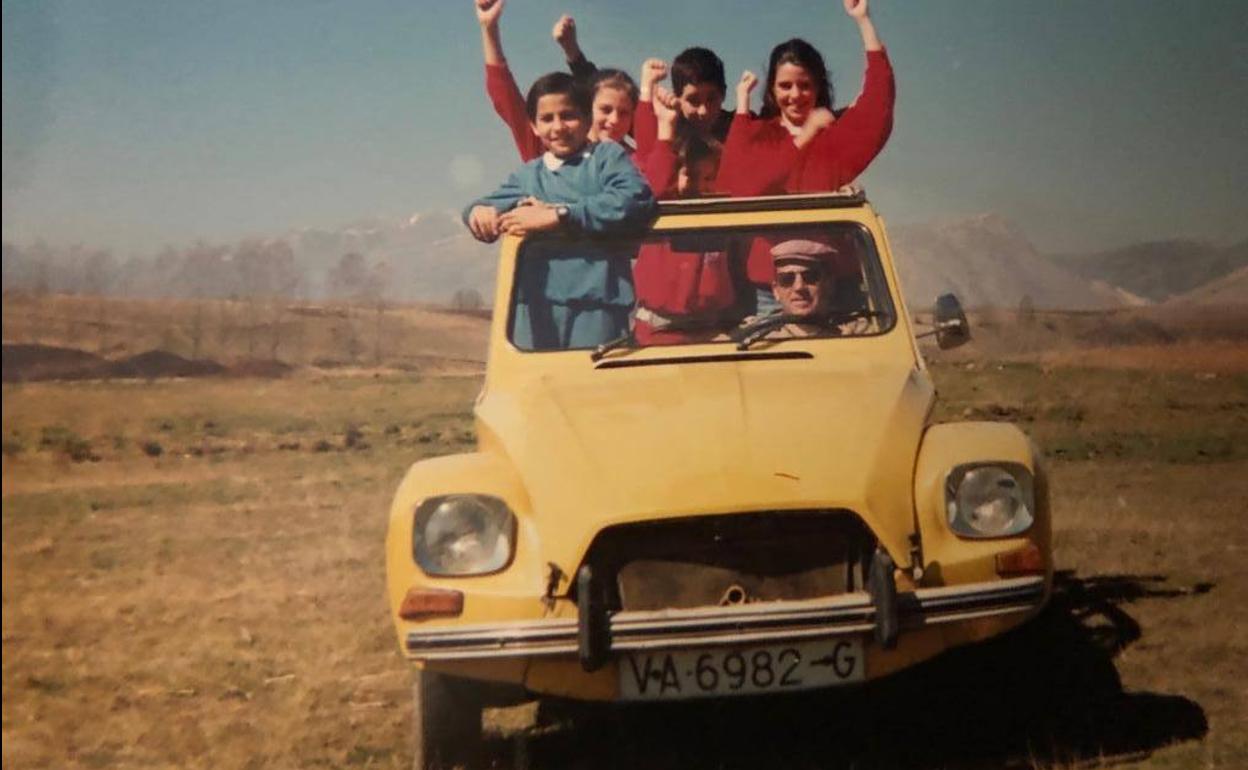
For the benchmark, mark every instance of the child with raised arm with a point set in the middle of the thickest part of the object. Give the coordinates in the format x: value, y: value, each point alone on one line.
x: 569, y: 294
x: 796, y: 144
x: 699, y: 86
x: 685, y: 289
x: 613, y: 92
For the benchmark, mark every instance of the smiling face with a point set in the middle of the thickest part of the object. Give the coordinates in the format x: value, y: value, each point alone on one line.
x: 801, y: 288
x: 560, y: 125
x: 613, y: 114
x: 794, y: 92
x: 701, y: 105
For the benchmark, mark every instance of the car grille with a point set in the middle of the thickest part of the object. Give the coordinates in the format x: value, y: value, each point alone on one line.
x: 732, y: 559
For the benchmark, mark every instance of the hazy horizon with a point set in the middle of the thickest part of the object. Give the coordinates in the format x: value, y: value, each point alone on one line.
x: 128, y: 126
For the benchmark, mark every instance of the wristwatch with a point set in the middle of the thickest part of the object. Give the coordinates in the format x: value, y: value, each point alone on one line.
x: 562, y: 212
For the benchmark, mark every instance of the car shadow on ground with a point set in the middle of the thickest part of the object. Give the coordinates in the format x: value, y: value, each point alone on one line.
x: 1045, y: 694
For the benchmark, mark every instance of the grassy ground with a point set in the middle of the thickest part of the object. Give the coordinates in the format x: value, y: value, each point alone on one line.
x: 203, y: 586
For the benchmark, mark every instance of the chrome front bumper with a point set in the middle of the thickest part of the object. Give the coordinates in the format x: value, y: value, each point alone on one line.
x: 853, y: 613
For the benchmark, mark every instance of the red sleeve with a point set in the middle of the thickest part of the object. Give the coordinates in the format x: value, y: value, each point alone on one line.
x: 659, y: 168
x: 850, y: 144
x: 509, y: 104
x: 756, y: 160
x: 645, y: 128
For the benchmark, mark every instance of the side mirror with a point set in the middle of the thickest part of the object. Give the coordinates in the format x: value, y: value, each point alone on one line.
x: 951, y: 328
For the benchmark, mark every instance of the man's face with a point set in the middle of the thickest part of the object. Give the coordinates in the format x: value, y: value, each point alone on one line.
x: 701, y: 104
x: 560, y: 125
x: 801, y: 289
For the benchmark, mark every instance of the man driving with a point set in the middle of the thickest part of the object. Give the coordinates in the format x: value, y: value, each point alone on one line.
x: 803, y: 286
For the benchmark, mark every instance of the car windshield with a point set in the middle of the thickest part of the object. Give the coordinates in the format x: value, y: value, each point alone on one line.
x: 731, y: 285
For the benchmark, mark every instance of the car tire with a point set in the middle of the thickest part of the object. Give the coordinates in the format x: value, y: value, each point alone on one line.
x: 446, y: 721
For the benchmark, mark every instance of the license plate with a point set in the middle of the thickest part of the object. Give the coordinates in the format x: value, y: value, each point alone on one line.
x: 740, y: 670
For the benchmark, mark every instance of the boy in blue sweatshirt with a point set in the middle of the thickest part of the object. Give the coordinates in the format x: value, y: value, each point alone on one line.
x: 569, y: 295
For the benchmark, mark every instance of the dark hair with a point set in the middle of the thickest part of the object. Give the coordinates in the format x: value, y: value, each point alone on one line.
x: 556, y: 83
x: 697, y: 65
x: 692, y: 149
x: 613, y: 78
x: 806, y: 56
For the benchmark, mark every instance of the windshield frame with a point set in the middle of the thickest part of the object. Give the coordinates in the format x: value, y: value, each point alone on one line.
x: 875, y: 273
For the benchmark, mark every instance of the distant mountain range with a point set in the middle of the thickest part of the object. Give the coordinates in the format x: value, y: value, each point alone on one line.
x: 430, y: 256
x: 987, y: 261
x: 1160, y: 270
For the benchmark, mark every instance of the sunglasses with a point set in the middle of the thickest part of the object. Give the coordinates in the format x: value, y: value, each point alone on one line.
x: 810, y: 276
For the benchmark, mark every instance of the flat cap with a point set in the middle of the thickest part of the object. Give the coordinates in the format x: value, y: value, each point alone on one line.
x: 800, y: 251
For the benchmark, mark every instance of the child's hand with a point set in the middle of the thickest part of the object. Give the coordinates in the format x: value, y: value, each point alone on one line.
x: 666, y: 105
x: 565, y: 35
x: 857, y: 9
x: 819, y: 119
x: 744, y: 87
x: 489, y: 11
x: 483, y: 222
x: 666, y: 111
x: 652, y: 71
x: 534, y: 218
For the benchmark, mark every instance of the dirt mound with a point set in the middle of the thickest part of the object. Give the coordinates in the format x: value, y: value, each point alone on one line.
x: 26, y: 363
x: 1107, y: 331
x: 162, y: 363
x: 32, y: 363
x: 259, y: 367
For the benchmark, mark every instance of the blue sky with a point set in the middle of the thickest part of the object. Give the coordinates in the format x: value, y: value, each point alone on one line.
x: 132, y: 124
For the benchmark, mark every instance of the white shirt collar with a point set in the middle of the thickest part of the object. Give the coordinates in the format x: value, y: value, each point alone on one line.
x: 554, y: 162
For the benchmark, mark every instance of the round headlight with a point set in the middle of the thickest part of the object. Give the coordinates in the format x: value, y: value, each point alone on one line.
x: 463, y: 535
x: 990, y: 500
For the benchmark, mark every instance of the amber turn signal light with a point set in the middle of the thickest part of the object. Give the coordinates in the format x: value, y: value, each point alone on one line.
x: 1025, y: 561
x: 421, y: 603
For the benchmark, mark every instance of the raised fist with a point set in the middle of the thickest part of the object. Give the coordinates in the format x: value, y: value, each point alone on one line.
x: 489, y: 11
x: 745, y: 86
x: 666, y: 105
x: 856, y: 8
x: 565, y: 31
x: 652, y: 71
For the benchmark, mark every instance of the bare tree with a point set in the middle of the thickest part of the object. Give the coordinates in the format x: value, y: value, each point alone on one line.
x: 1026, y: 310
x: 196, y: 329
x: 347, y: 282
x: 376, y: 288
x: 467, y: 299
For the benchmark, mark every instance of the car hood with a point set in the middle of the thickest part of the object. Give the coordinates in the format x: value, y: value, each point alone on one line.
x: 631, y: 444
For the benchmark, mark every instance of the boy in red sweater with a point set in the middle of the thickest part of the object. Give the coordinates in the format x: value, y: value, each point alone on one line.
x: 699, y: 86
x: 684, y: 285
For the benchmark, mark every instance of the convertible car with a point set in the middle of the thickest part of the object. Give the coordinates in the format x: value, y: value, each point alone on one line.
x: 740, y: 510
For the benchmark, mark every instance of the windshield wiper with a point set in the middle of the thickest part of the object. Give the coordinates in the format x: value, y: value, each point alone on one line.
x: 624, y: 340
x: 756, y: 330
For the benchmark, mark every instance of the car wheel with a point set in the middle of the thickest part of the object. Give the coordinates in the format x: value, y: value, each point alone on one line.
x: 446, y: 721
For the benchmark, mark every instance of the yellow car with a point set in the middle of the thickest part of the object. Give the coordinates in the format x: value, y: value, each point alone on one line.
x: 761, y: 504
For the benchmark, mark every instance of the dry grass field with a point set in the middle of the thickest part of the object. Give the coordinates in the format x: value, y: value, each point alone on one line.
x: 327, y: 334
x: 202, y: 587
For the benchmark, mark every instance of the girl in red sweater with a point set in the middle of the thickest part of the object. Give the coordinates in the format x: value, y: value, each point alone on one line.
x: 797, y: 143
